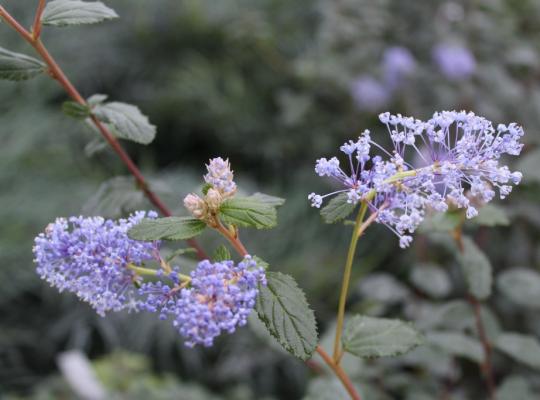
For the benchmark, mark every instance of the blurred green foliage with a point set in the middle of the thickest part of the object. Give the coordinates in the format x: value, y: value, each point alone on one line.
x: 265, y: 83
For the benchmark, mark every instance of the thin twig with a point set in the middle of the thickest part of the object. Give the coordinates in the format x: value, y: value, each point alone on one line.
x: 340, y: 373
x: 57, y: 73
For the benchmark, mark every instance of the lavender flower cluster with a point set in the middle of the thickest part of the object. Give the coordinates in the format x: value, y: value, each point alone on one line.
x: 89, y: 257
x: 95, y: 259
x: 448, y: 154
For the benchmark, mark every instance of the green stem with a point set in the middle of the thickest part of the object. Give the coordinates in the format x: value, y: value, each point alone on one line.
x: 346, y: 280
x: 154, y: 272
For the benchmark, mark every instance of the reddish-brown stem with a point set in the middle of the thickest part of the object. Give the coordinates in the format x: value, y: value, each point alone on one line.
x: 232, y: 238
x: 57, y: 73
x: 487, y: 367
x: 36, y: 27
x: 343, y: 377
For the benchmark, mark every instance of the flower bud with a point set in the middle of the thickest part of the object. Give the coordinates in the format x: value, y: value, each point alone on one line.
x: 213, y: 199
x: 220, y: 176
x: 196, y: 206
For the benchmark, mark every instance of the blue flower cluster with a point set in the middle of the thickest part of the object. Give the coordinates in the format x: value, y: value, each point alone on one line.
x: 89, y: 257
x: 447, y: 155
x: 220, y: 298
x: 220, y: 176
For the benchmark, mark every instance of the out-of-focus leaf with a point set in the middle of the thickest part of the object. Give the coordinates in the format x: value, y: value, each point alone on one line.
x: 432, y: 280
x: 19, y: 67
x: 477, y: 269
x: 521, y: 285
x: 491, y: 215
x: 369, y: 337
x: 222, y: 253
x: 283, y: 308
x: 457, y: 344
x: 75, y: 12
x: 523, y: 348
x: 515, y: 388
x: 337, y: 209
x: 440, y: 222
x: 383, y: 287
x: 529, y: 165
x: 114, y: 198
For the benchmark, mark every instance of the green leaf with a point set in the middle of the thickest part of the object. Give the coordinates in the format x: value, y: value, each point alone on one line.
x: 272, y: 201
x: 521, y: 285
x: 337, y: 209
x: 457, y: 344
x: 96, y: 99
x: 477, y: 270
x: 221, y: 254
x: 440, y: 222
x: 169, y: 228
x: 76, y: 110
x: 75, y: 12
x: 515, y: 388
x: 529, y: 165
x: 19, y: 67
x: 491, y: 215
x: 180, y: 252
x: 205, y: 188
x: 432, y: 280
x: 248, y: 212
x: 126, y: 121
x: 282, y: 307
x: 523, y: 348
x: 370, y: 337
x: 115, y: 197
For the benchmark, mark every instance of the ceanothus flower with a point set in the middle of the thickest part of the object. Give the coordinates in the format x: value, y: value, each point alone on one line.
x: 369, y: 94
x: 456, y: 156
x: 220, y: 176
x: 398, y: 63
x: 90, y: 257
x: 220, y: 297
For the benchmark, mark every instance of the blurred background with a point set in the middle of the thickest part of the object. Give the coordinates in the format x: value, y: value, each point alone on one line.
x: 272, y: 85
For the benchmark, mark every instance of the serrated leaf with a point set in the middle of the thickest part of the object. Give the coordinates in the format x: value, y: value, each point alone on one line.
x: 75, y: 12
x: 168, y: 228
x: 477, y: 270
x: 369, y: 337
x: 272, y: 201
x: 491, y: 215
x: 521, y: 285
x: 126, y: 121
x: 457, y: 344
x: 76, y: 110
x: 19, y: 67
x: 248, y: 212
x: 337, y: 209
x: 282, y: 307
x: 221, y: 254
x: 523, y: 348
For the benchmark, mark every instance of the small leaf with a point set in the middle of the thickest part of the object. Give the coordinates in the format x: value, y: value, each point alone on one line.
x: 477, y: 270
x: 282, y: 307
x: 116, y: 196
x: 76, y: 110
x: 457, y: 344
x: 491, y: 215
x: 432, y: 280
x: 19, y: 67
x: 75, y: 12
x: 523, y: 348
x: 126, y: 121
x: 221, y: 254
x: 205, y: 188
x: 248, y: 212
x: 521, y: 285
x: 529, y: 165
x: 96, y: 99
x: 169, y: 228
x: 370, y: 337
x: 337, y: 209
x: 272, y: 201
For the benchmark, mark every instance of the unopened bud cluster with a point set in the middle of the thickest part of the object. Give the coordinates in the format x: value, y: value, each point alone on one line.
x: 219, y: 178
